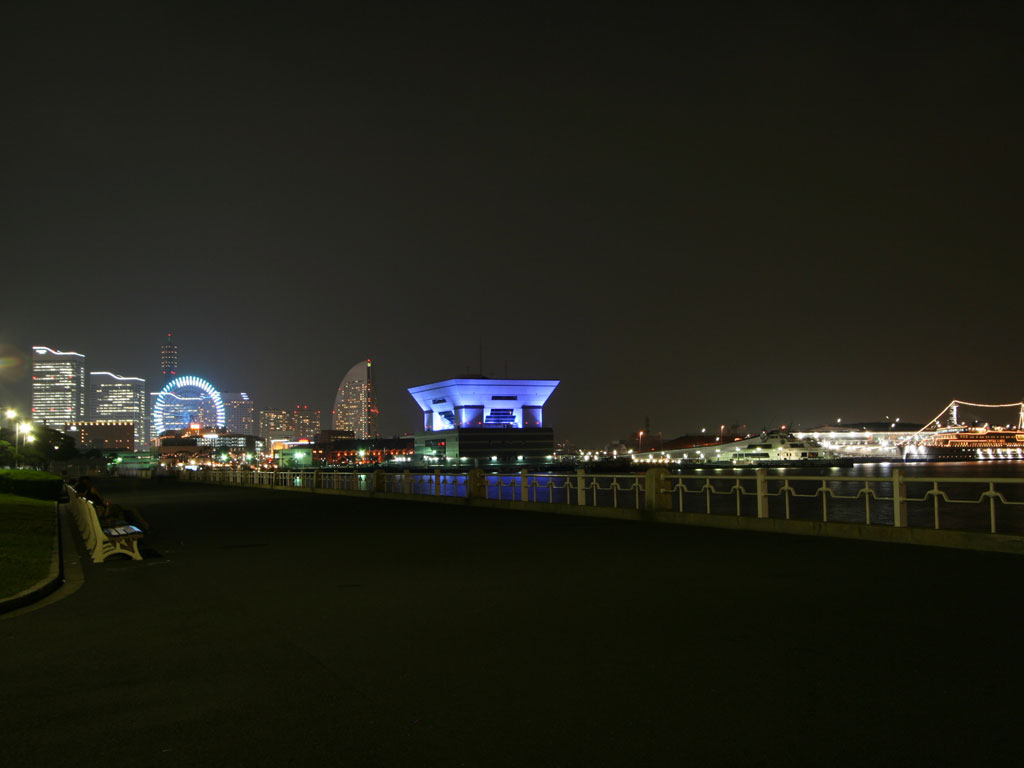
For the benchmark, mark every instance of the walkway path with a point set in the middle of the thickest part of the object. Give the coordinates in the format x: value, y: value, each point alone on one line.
x: 282, y: 629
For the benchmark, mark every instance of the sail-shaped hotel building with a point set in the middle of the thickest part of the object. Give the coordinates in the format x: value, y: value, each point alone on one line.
x: 355, y: 406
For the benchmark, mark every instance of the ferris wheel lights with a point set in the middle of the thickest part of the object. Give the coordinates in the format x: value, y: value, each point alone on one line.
x: 171, y: 391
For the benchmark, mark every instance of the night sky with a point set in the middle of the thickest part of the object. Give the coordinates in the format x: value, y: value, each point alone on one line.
x: 705, y: 215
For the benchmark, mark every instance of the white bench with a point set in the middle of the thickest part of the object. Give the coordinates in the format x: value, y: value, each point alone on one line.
x: 103, y: 542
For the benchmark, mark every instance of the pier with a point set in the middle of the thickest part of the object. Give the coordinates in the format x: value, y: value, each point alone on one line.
x: 268, y: 628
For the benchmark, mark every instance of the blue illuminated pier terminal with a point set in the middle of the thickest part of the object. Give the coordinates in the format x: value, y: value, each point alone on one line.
x: 477, y: 418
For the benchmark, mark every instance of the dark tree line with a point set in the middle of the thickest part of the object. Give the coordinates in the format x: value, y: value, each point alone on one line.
x: 48, y: 445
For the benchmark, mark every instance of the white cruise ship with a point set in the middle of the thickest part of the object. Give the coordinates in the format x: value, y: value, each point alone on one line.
x: 766, y: 448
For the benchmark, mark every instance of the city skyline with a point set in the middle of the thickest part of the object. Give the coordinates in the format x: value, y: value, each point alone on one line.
x: 696, y: 216
x: 412, y: 424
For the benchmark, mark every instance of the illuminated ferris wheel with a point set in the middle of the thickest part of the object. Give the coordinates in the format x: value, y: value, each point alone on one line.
x: 187, y: 400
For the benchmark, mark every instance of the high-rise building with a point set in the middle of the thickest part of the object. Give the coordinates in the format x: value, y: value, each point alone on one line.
x: 306, y: 422
x: 276, y: 425
x: 240, y: 413
x: 355, y: 406
x: 300, y: 423
x: 119, y: 398
x: 168, y: 360
x: 58, y: 387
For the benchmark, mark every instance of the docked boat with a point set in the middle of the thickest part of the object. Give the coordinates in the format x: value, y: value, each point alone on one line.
x: 962, y: 443
x: 775, y: 448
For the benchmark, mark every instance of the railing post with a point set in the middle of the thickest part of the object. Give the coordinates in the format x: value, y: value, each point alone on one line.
x: 581, y: 488
x: 437, y: 482
x: 524, y: 486
x: 379, y: 481
x: 406, y: 482
x: 992, y: 507
x: 762, y: 492
x: 899, y: 499
x: 655, y: 481
x: 476, y: 484
x: 316, y: 480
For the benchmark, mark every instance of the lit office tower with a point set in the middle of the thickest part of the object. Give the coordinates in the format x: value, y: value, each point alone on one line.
x: 168, y: 360
x: 355, y: 407
x: 240, y: 413
x: 306, y: 423
x: 276, y: 425
x: 58, y: 387
x: 121, y: 398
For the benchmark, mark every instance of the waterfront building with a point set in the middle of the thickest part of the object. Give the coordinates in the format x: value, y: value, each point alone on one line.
x: 355, y: 405
x: 119, y: 398
x: 306, y: 422
x: 196, y: 446
x: 103, y: 434
x: 239, y: 413
x: 482, y: 419
x: 275, y: 424
x: 58, y: 387
x: 168, y: 360
x: 379, y: 452
x: 343, y: 451
x: 330, y: 435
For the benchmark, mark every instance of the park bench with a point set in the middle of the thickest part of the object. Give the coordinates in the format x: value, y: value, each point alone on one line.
x: 103, y: 542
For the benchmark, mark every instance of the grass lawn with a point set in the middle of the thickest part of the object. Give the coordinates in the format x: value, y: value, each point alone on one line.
x: 27, y: 528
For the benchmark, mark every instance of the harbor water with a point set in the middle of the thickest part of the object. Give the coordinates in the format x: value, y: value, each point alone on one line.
x: 968, y: 496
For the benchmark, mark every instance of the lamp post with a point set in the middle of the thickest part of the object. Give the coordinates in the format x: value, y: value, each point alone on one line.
x: 22, y: 429
x: 640, y: 442
x: 11, y: 415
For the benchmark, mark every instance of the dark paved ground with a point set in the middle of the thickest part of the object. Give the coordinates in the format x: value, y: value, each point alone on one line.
x: 283, y: 629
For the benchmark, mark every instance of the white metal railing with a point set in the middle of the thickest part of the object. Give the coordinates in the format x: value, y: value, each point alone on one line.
x: 962, y: 503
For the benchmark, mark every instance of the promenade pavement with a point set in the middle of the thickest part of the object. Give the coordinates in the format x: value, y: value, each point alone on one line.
x: 281, y: 628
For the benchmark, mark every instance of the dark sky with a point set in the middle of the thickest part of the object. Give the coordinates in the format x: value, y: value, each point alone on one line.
x: 703, y: 215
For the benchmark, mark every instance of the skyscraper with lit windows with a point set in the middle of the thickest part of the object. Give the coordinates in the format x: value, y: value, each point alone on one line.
x: 306, y: 422
x: 58, y: 387
x: 168, y: 360
x: 121, y: 398
x: 355, y: 405
x: 275, y: 424
x: 240, y: 412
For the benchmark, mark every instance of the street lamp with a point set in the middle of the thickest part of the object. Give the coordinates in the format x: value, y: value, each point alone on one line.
x: 22, y: 429
x: 640, y: 442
